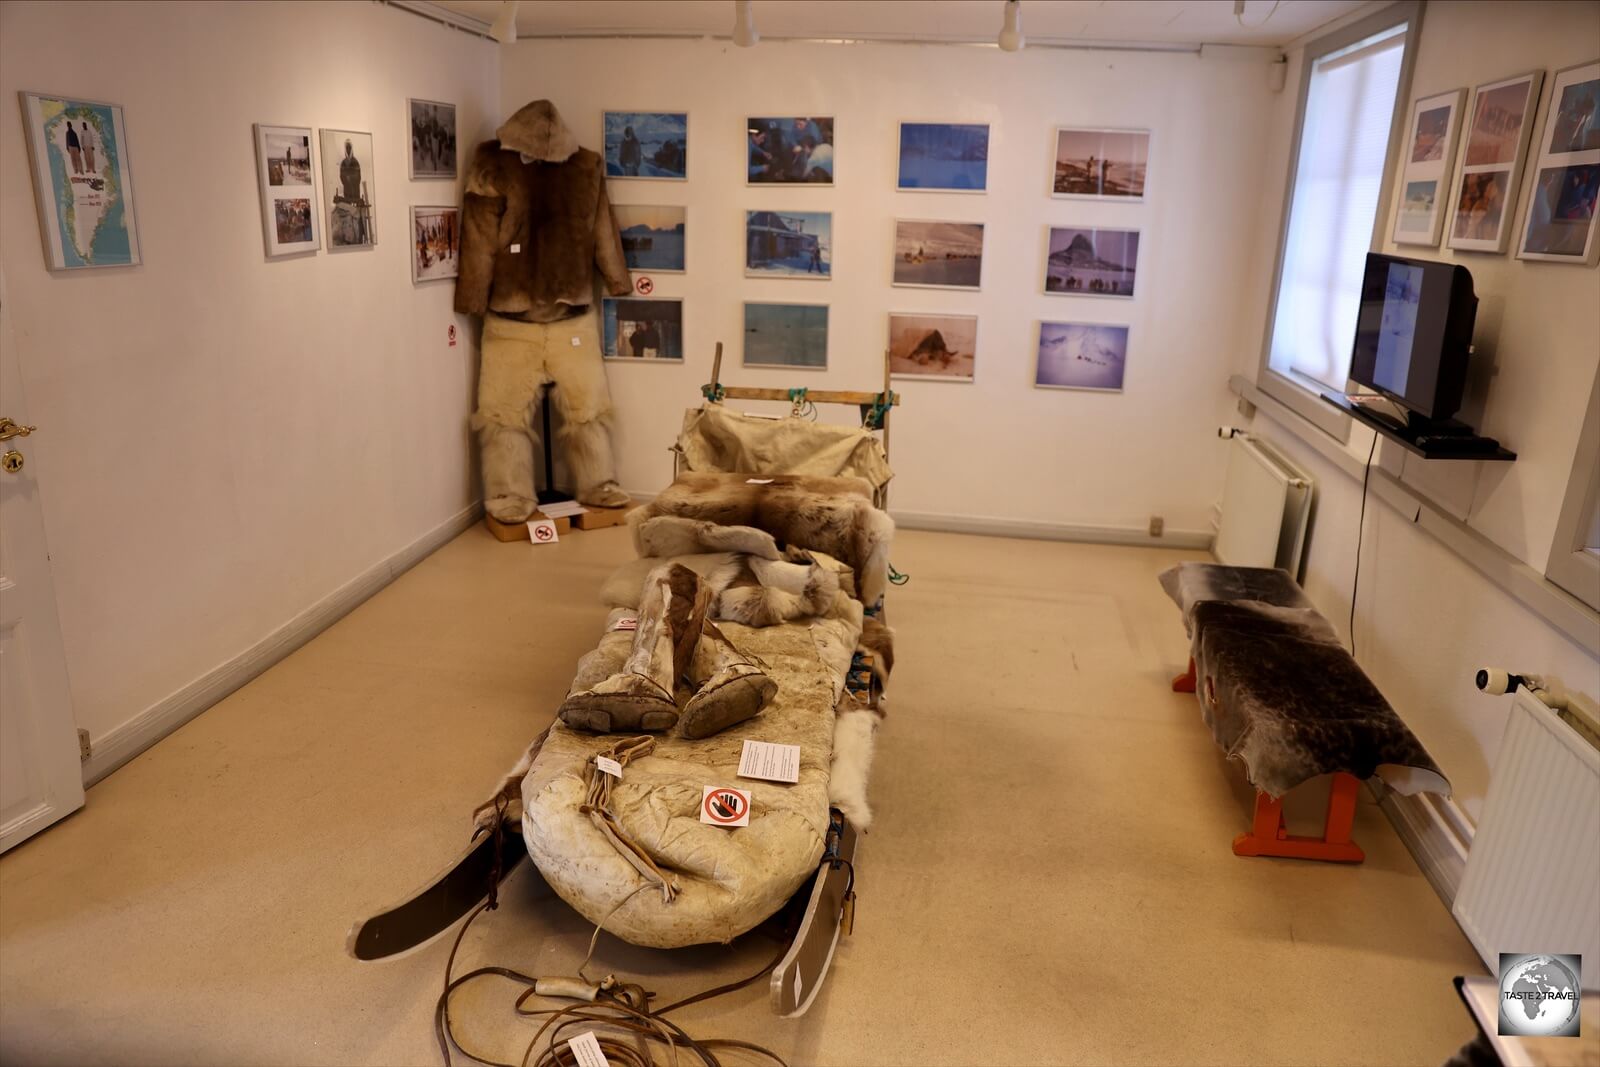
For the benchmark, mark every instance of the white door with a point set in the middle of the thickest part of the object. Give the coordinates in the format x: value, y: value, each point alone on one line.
x: 41, y: 779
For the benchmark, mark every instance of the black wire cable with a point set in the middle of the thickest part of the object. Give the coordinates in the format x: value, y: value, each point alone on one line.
x: 1361, y: 529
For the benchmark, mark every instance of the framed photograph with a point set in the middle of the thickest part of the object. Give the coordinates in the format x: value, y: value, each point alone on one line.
x: 1498, y: 124
x: 435, y: 243
x: 1094, y: 164
x: 652, y: 236
x: 647, y: 144
x: 944, y: 157
x: 789, y: 150
x: 290, y: 220
x: 433, y: 139
x: 349, y: 188
x: 788, y: 244
x: 940, y: 348
x: 637, y: 329
x: 1427, y: 156
x: 1558, y: 224
x: 794, y: 336
x: 930, y: 254
x: 82, y: 182
x: 1085, y: 261
x: 1081, y: 355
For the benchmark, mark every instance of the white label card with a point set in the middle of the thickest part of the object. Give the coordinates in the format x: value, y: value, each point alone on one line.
x: 775, y: 763
x: 758, y: 481
x: 586, y: 1048
x: 515, y: 249
x: 627, y: 622
x: 543, y: 531
x: 609, y: 765
x: 724, y: 806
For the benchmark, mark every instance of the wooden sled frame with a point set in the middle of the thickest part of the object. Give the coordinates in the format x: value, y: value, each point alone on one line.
x: 875, y: 408
x: 464, y: 884
x: 1267, y: 835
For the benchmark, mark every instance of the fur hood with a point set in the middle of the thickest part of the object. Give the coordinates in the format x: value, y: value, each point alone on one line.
x: 537, y: 133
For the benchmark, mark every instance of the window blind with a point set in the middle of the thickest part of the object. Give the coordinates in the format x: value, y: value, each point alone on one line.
x: 1344, y: 141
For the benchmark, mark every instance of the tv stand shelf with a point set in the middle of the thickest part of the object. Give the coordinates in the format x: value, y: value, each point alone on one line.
x: 1438, y: 440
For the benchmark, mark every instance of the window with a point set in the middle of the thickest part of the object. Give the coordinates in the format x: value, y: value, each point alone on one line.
x: 1352, y: 91
x: 1575, y: 555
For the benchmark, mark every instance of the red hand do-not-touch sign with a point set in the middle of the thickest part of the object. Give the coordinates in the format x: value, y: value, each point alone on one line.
x: 725, y: 806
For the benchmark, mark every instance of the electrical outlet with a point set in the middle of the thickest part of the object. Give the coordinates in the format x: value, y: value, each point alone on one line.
x: 1157, y: 524
x: 83, y: 745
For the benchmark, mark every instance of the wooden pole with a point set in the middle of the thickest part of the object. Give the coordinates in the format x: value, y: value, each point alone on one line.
x: 716, y: 368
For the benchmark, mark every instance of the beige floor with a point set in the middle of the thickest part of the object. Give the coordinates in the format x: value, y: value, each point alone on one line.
x: 1048, y: 880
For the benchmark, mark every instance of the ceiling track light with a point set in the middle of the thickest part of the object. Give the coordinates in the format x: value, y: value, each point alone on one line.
x: 504, y: 28
x: 744, y: 26
x: 1011, y: 39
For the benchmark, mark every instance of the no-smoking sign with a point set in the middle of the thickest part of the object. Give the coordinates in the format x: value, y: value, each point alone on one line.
x: 644, y: 286
x: 542, y: 531
x: 725, y: 806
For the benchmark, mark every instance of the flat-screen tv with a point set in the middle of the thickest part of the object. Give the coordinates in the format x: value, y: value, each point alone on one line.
x: 1414, y: 333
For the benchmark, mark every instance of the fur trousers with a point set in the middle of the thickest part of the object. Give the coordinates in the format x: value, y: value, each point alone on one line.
x: 518, y: 358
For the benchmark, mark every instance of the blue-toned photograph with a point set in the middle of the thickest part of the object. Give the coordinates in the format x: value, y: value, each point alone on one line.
x: 790, y: 150
x: 1081, y: 355
x: 944, y: 156
x: 647, y: 144
x: 786, y: 335
x: 793, y: 244
x: 642, y: 329
x: 652, y: 236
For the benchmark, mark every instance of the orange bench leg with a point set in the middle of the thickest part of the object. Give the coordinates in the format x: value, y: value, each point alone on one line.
x: 1267, y: 836
x: 1184, y: 683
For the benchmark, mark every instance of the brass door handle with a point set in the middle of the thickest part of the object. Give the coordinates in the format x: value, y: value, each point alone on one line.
x: 10, y: 429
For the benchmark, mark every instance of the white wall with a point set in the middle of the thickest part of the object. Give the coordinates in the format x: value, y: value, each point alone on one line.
x: 998, y: 447
x: 1426, y: 619
x: 224, y: 440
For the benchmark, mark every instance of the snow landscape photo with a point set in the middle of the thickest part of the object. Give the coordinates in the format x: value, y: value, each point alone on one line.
x: 946, y: 255
x: 945, y: 156
x: 1091, y: 262
x: 1101, y: 164
x: 786, y: 335
x: 1081, y: 355
x: 652, y: 236
x: 794, y: 244
x: 647, y: 144
x: 936, y: 347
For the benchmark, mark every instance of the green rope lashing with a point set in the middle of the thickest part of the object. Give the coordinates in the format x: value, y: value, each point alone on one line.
x: 896, y: 578
x: 872, y: 417
x: 797, y: 396
x: 713, y: 392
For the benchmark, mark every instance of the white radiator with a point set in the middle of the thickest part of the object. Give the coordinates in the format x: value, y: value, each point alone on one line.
x: 1532, y: 882
x: 1266, y: 506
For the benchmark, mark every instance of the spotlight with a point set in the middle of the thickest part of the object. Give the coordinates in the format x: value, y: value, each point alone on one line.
x: 1011, y: 39
x: 504, y: 29
x: 744, y: 29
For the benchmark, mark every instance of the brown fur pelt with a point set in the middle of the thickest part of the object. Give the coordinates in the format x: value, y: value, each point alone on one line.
x: 878, y: 639
x: 536, y: 223
x: 764, y: 592
x: 831, y: 515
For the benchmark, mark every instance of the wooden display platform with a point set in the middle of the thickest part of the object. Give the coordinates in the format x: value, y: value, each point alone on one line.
x: 518, y: 531
x: 600, y: 518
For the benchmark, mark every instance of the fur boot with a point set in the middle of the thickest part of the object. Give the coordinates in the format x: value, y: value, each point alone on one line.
x: 587, y: 447
x: 506, y: 454
x: 642, y: 695
x: 728, y: 688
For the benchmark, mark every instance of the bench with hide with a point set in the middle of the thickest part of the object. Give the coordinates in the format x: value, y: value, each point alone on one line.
x: 1280, y: 694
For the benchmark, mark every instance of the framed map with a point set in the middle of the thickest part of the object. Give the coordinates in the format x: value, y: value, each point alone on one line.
x: 81, y: 181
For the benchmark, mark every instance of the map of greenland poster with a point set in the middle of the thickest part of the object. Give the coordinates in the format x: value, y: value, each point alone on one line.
x: 81, y: 181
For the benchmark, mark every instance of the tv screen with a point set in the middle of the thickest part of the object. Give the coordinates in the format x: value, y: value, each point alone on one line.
x: 1414, y: 333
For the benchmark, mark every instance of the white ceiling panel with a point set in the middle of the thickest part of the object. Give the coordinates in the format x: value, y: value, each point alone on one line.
x: 1265, y: 22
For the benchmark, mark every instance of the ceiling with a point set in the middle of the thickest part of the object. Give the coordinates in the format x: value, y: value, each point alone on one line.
x: 1173, y: 22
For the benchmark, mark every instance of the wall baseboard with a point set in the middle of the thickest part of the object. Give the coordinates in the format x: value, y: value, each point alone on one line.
x: 122, y: 743
x: 1036, y: 530
x: 1436, y: 832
